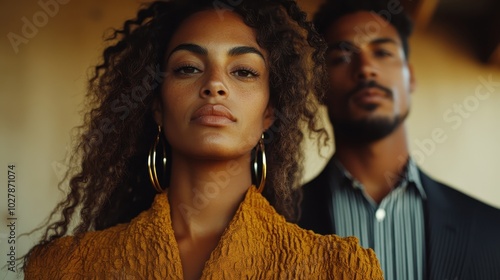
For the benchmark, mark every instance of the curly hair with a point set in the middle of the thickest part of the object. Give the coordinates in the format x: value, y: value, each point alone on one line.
x: 332, y: 10
x: 111, y: 184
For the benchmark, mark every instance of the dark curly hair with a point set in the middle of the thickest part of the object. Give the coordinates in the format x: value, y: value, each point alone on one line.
x: 111, y: 184
x: 332, y: 10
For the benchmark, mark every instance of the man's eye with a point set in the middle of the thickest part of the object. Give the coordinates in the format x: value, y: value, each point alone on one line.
x: 341, y: 59
x: 382, y: 53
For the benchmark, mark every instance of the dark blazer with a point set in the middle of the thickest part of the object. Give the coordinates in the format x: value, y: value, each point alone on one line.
x: 462, y: 233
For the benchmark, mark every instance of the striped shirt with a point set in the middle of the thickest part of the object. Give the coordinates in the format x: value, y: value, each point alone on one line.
x: 394, y: 228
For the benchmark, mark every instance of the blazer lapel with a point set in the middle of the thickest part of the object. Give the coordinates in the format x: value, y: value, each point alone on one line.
x: 317, y: 210
x: 447, y: 231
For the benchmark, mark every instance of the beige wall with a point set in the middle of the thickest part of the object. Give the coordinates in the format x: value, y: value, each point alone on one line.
x: 41, y: 92
x: 41, y: 88
x: 461, y: 98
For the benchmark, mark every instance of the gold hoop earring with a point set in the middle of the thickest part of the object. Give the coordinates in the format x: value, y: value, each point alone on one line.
x: 153, y: 174
x: 260, y: 147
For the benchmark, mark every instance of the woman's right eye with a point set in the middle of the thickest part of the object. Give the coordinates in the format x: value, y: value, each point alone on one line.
x: 187, y: 70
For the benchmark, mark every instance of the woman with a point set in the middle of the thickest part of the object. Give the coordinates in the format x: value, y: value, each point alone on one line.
x: 223, y: 92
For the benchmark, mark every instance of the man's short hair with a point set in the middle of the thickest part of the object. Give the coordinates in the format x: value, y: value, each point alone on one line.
x: 332, y: 10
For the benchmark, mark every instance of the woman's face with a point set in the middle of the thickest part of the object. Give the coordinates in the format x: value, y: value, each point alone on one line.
x: 215, y: 96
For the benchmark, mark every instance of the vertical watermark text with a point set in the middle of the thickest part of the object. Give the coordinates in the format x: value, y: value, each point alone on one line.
x: 11, y: 217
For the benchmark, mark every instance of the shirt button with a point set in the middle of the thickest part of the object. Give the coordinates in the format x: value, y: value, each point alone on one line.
x: 380, y: 214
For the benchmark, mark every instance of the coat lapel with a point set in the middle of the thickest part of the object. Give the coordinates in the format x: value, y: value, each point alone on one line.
x: 447, y: 230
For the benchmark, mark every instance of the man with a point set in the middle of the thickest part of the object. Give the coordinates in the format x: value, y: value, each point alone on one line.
x: 371, y: 188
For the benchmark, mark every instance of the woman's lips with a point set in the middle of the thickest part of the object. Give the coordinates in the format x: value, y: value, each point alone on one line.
x: 213, y: 115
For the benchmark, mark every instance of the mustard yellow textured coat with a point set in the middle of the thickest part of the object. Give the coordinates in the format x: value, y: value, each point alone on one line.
x: 258, y: 244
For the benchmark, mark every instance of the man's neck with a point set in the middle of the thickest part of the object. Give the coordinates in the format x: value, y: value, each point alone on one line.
x: 375, y: 164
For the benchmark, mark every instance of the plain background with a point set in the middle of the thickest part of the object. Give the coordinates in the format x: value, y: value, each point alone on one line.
x: 42, y: 85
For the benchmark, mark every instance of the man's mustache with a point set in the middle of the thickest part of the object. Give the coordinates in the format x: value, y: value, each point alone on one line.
x: 370, y: 84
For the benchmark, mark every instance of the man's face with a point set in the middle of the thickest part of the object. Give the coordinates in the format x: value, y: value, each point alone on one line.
x: 370, y: 79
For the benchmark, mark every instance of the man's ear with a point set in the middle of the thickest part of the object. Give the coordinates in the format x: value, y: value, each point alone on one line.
x: 413, y: 82
x: 157, y: 111
x: 268, y: 117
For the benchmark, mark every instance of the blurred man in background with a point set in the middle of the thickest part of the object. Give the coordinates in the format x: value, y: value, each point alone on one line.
x: 371, y: 188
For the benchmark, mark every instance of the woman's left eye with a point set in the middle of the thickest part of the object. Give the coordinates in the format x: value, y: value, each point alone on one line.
x: 246, y: 73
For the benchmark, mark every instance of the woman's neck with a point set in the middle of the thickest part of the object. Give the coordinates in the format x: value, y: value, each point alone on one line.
x: 204, y: 195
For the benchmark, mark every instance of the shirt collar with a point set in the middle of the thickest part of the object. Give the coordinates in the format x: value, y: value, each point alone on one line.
x: 410, y: 175
x: 413, y: 176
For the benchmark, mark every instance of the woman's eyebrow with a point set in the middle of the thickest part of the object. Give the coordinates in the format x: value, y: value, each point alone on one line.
x: 197, y: 49
x: 240, y: 50
x: 190, y: 48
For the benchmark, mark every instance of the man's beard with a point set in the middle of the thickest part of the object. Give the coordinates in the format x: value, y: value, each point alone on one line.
x: 367, y: 130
